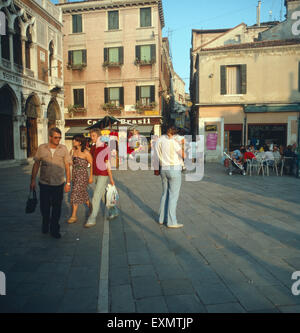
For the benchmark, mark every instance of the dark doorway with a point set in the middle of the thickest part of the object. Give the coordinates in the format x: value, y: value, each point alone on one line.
x: 6, y: 124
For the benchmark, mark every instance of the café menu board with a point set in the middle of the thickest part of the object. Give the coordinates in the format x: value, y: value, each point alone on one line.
x: 211, y: 141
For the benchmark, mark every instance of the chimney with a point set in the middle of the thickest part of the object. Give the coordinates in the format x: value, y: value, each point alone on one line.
x: 291, y: 6
x: 258, y: 13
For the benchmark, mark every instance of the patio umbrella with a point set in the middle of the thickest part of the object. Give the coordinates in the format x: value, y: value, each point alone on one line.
x: 107, y: 121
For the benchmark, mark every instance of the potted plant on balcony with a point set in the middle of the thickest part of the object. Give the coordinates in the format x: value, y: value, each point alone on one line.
x: 76, y: 110
x: 76, y: 67
x: 112, y: 109
x: 140, y: 107
x: 139, y: 62
x: 111, y: 64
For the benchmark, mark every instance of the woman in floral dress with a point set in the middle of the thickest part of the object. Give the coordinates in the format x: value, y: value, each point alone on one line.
x: 80, y: 178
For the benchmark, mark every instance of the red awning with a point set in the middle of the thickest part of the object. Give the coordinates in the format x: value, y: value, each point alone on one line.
x: 233, y: 127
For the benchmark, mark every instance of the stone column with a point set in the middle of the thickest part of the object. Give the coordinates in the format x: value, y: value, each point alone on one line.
x: 11, y: 48
x: 23, y: 39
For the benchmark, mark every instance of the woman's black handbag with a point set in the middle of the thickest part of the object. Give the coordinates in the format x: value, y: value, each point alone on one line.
x: 31, y: 202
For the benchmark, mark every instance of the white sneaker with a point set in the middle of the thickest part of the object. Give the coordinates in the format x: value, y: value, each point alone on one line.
x: 90, y: 224
x: 175, y: 226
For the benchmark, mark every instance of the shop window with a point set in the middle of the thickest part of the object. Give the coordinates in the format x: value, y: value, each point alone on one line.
x: 114, y: 96
x: 113, y: 20
x: 78, y: 95
x: 145, y: 17
x: 77, y: 23
x: 234, y: 80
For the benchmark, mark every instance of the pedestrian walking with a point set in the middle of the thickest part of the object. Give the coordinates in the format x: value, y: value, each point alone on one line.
x: 101, y: 171
x: 170, y: 155
x: 80, y: 179
x: 54, y: 161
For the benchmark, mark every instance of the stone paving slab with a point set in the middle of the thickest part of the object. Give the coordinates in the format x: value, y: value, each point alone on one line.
x: 236, y: 253
x: 44, y: 274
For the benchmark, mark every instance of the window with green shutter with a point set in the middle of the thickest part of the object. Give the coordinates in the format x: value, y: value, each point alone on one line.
x: 78, y: 95
x: 77, y: 23
x: 146, y: 54
x: 233, y: 80
x: 114, y: 96
x: 145, y: 17
x: 113, y: 20
x: 145, y: 95
x: 77, y: 58
x: 113, y: 56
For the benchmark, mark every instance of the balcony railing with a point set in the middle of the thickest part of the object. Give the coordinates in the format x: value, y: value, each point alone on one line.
x: 29, y: 72
x: 6, y: 63
x: 18, y: 68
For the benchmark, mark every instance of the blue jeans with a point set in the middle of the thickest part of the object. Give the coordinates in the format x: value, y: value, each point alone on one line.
x: 171, y: 183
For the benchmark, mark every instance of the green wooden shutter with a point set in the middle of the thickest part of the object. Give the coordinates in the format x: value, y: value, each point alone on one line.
x: 70, y: 57
x: 105, y: 54
x: 79, y: 23
x: 138, y: 52
x: 121, y: 96
x: 81, y: 97
x: 137, y: 94
x: 223, y: 80
x: 106, y: 92
x: 243, y: 69
x: 153, y: 52
x: 152, y: 94
x: 84, y: 57
x: 121, y: 55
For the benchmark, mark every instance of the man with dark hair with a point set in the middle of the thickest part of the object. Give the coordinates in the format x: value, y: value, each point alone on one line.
x: 54, y: 160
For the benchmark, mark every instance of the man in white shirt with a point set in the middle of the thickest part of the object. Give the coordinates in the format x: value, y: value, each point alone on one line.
x: 170, y: 155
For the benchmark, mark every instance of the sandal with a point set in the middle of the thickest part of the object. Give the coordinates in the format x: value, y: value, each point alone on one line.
x: 72, y: 220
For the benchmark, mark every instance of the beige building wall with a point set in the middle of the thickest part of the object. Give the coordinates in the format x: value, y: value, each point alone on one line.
x: 272, y: 75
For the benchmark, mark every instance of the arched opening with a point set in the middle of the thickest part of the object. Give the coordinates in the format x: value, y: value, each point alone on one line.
x: 7, y: 102
x: 17, y: 42
x: 27, y: 48
x: 51, y: 55
x: 5, y: 43
x: 53, y: 113
x: 32, y: 110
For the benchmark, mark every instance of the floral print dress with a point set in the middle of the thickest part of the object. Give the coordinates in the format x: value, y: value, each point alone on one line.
x: 80, y: 181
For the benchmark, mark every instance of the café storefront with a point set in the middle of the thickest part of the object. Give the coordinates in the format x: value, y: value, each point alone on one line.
x: 147, y: 126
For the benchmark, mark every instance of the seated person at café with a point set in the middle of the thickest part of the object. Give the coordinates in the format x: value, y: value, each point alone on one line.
x: 268, y: 156
x: 276, y: 153
x: 247, y: 155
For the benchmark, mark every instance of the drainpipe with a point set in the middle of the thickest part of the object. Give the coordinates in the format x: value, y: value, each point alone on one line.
x: 298, y: 148
x: 245, y: 131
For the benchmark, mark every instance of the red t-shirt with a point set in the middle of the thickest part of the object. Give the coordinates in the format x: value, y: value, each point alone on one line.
x: 101, y: 155
x: 248, y: 155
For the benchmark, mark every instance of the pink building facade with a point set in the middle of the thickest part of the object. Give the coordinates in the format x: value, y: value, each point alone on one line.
x: 113, y: 63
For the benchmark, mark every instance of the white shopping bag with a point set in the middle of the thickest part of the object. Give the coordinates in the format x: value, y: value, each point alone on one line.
x: 112, y: 197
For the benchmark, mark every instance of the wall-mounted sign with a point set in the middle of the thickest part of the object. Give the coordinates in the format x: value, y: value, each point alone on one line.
x: 211, y: 128
x: 211, y: 141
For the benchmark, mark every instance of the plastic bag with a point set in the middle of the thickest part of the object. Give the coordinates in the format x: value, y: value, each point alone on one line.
x: 112, y: 196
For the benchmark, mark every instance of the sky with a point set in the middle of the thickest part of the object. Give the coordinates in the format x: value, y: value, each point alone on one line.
x: 183, y: 16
